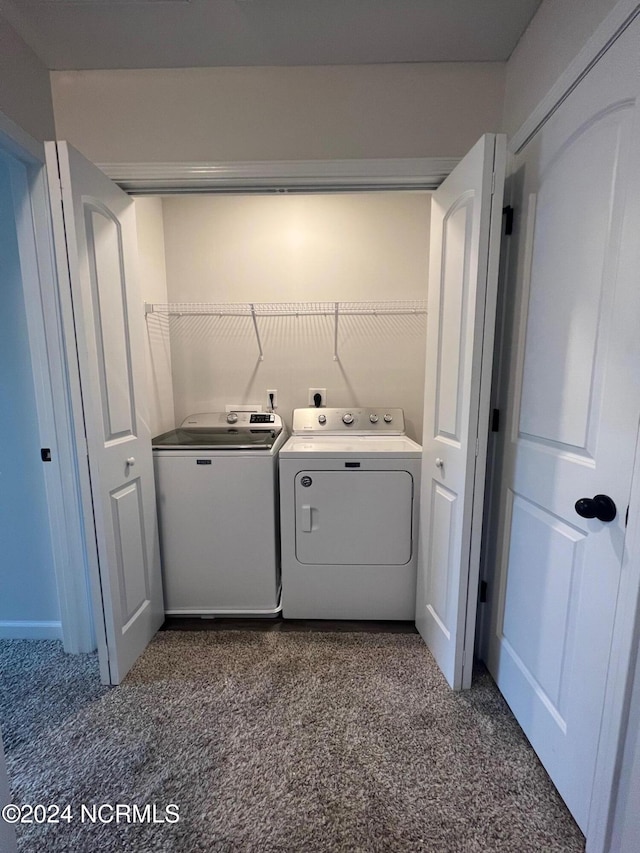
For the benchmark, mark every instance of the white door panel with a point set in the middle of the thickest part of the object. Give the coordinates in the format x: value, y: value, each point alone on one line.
x: 465, y: 239
x: 569, y: 307
x: 572, y: 417
x: 95, y: 224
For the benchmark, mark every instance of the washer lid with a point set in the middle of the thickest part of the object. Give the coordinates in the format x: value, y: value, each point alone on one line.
x: 306, y: 446
x: 229, y: 439
x: 213, y: 431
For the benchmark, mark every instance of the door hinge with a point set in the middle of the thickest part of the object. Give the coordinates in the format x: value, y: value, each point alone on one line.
x: 477, y: 446
x: 626, y: 518
x: 507, y: 213
x: 493, y: 183
x: 45, y: 454
x: 482, y: 596
x: 495, y: 420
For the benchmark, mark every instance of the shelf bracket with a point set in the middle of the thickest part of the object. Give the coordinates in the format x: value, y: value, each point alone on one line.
x: 255, y: 326
x: 336, y: 314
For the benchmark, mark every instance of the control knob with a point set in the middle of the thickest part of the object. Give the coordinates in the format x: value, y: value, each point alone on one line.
x: 347, y: 418
x: 373, y: 419
x: 388, y: 418
x: 322, y: 419
x: 232, y: 418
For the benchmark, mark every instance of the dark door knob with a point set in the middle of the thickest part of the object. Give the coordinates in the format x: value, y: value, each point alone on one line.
x: 600, y: 507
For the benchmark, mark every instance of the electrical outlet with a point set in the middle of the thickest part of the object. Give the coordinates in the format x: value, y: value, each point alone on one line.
x: 272, y: 399
x: 323, y: 396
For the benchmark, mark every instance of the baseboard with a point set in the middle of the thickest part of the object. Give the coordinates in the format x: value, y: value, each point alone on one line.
x: 30, y: 630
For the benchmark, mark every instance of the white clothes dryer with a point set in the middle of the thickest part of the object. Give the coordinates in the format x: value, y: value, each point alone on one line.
x: 349, y: 492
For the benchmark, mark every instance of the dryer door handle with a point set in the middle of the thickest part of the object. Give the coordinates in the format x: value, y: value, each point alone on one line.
x: 305, y: 518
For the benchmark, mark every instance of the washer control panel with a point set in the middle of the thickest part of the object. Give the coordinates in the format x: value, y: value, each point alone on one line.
x: 238, y: 421
x: 370, y: 421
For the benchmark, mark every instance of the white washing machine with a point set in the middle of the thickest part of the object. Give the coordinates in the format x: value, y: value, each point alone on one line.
x: 349, y: 491
x: 216, y: 485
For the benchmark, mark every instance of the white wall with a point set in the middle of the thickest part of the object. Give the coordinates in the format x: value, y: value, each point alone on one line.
x: 234, y: 114
x: 28, y: 591
x: 291, y: 248
x: 152, y: 278
x: 553, y: 38
x: 25, y: 90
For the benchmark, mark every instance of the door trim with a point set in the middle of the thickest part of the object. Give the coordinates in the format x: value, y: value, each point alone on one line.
x: 480, y: 506
x: 51, y: 385
x: 14, y: 140
x: 607, y: 791
x: 616, y: 22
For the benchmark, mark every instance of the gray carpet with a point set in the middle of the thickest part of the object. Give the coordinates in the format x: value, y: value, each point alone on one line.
x: 41, y: 686
x: 296, y: 742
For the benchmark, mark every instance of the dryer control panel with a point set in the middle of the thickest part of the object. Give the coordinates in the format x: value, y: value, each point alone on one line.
x: 349, y: 421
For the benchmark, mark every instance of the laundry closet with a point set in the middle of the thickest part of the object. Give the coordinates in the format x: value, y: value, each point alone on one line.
x: 338, y: 283
x: 273, y: 302
x: 204, y: 302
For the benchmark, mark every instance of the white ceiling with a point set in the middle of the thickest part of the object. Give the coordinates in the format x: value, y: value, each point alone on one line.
x: 83, y: 34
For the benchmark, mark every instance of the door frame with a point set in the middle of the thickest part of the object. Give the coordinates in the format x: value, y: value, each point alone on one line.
x: 626, y: 630
x: 51, y: 383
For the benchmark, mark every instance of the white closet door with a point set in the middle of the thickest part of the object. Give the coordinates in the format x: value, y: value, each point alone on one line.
x: 95, y: 232
x: 466, y: 215
x: 572, y: 418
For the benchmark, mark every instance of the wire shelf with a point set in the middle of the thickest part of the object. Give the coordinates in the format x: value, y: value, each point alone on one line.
x: 288, y: 309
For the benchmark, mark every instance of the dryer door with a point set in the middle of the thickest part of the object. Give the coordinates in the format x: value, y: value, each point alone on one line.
x: 354, y: 517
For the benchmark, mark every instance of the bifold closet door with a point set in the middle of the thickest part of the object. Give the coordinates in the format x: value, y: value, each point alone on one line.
x: 96, y: 253
x: 466, y: 216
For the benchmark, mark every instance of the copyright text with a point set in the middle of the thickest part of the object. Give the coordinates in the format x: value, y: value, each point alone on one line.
x: 98, y: 813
